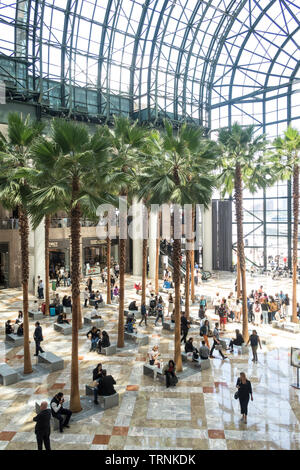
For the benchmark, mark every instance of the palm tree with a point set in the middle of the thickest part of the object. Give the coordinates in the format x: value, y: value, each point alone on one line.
x: 16, y: 173
x: 69, y: 156
x: 287, y: 160
x: 243, y: 164
x: 128, y: 141
x: 178, y: 174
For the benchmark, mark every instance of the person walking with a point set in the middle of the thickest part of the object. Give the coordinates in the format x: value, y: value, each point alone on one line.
x: 244, y: 393
x: 38, y: 338
x: 143, y: 314
x: 85, y: 297
x: 217, y: 343
x: 42, y: 427
x: 160, y: 313
x: 185, y: 324
x: 204, y: 332
x: 264, y: 310
x: 254, y: 342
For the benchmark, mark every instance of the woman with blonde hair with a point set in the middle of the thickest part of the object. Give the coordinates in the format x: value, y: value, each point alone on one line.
x: 243, y: 394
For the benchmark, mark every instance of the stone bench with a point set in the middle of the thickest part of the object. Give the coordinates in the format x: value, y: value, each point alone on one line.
x: 110, y: 350
x: 108, y: 401
x: 98, y: 322
x: 137, y: 313
x: 291, y: 327
x: 52, y: 361
x: 67, y: 310
x: 139, y: 339
x: 35, y: 315
x: 243, y: 349
x: 151, y: 370
x: 202, y: 363
x: 63, y: 328
x: 168, y: 325
x: 8, y: 375
x: 275, y: 324
x: 14, y: 340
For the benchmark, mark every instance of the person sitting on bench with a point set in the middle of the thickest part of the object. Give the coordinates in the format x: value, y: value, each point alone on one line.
x: 105, y: 386
x: 133, y: 306
x: 169, y: 371
x: 98, y: 298
x: 20, y: 330
x: 8, y: 328
x: 203, y: 351
x: 94, y: 312
x: 129, y: 327
x: 154, y: 355
x: 58, y: 411
x: 94, y: 335
x: 62, y: 318
x: 103, y: 341
x: 190, y: 348
x: 238, y: 341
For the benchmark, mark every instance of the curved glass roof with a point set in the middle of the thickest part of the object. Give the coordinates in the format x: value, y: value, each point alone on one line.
x: 211, y: 61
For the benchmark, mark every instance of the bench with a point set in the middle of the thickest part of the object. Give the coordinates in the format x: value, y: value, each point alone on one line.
x: 35, y: 315
x: 110, y: 350
x: 98, y: 322
x: 137, y: 313
x: 53, y: 421
x: 243, y: 349
x: 8, y: 375
x: 151, y: 370
x: 141, y: 340
x: 108, y: 401
x: 168, y: 325
x: 202, y: 363
x: 67, y: 310
x: 14, y: 340
x: 291, y: 327
x: 63, y: 328
x: 52, y: 361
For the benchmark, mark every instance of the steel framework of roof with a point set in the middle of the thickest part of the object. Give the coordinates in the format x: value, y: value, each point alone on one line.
x: 208, y: 61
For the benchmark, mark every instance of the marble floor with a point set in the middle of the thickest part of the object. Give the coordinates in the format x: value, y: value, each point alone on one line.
x: 200, y: 413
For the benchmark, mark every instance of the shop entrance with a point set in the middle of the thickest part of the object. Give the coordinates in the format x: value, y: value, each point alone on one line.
x: 57, y: 259
x: 4, y: 267
x: 94, y: 258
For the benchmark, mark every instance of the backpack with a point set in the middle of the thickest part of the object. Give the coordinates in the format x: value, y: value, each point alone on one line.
x: 152, y: 303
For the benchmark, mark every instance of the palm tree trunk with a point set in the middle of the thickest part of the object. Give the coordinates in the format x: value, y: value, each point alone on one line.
x: 144, y: 270
x: 75, y: 404
x: 47, y: 294
x: 193, y: 257
x: 122, y: 243
x: 240, y: 246
x: 295, y: 240
x: 24, y: 234
x: 108, y: 257
x: 238, y: 277
x: 157, y: 256
x: 187, y: 283
x: 176, y: 275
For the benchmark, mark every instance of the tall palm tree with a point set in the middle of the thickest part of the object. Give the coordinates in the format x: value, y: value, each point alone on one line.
x: 71, y: 154
x: 16, y: 174
x: 128, y: 141
x: 287, y: 160
x: 243, y: 164
x: 178, y: 174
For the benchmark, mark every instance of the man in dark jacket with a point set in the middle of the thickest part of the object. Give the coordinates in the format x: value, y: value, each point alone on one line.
x: 38, y: 338
x: 42, y: 427
x: 58, y: 411
x: 184, y: 327
x: 105, y: 386
x: 238, y: 341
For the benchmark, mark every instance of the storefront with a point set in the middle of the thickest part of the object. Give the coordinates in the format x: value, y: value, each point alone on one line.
x: 59, y: 256
x: 94, y: 255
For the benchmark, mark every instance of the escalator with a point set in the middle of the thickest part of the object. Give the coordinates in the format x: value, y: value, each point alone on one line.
x: 166, y: 249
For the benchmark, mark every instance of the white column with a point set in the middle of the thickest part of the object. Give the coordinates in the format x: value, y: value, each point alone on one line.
x: 152, y: 242
x: 207, y: 238
x: 137, y: 242
x: 39, y: 254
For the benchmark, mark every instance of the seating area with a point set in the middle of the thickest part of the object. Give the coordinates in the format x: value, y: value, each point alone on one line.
x: 14, y: 340
x: 51, y: 361
x: 137, y: 338
x: 153, y: 371
x: 168, y: 325
x: 98, y: 322
x: 35, y: 315
x: 8, y: 375
x: 63, y: 328
x: 201, y: 363
x: 105, y: 401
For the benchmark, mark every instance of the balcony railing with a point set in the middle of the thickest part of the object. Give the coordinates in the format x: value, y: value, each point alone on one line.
x: 64, y: 222
x: 9, y: 224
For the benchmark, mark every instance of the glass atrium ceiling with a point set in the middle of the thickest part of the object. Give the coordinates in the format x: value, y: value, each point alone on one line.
x: 211, y: 61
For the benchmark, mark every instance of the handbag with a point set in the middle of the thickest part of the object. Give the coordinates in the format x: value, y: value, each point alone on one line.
x: 236, y: 395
